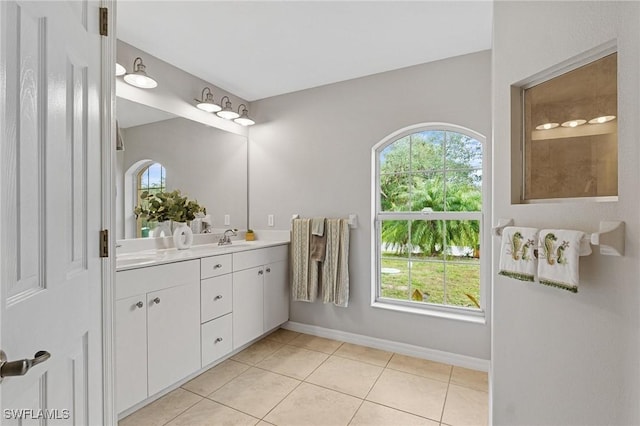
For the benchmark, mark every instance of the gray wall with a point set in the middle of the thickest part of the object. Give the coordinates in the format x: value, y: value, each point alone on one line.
x: 310, y: 153
x: 560, y: 358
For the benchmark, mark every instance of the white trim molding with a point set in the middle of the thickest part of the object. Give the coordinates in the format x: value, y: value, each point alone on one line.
x: 392, y: 346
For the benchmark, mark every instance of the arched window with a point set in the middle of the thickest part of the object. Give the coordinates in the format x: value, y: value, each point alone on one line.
x: 428, y: 218
x: 152, y: 179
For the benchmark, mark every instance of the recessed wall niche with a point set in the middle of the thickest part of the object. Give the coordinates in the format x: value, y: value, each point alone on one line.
x: 569, y: 133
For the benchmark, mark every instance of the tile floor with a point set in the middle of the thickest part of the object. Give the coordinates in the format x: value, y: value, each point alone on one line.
x: 296, y: 379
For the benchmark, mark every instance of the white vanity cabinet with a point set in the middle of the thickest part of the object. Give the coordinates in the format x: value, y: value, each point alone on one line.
x: 260, y: 292
x: 157, y: 329
x: 174, y: 319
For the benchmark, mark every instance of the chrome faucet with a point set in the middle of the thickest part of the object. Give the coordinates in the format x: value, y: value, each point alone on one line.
x: 226, y: 237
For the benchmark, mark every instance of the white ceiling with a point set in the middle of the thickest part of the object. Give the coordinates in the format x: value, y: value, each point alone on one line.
x: 264, y: 48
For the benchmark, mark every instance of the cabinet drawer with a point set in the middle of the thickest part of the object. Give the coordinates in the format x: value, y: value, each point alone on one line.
x: 216, y: 296
x: 152, y: 278
x: 215, y: 265
x: 216, y: 339
x: 252, y: 258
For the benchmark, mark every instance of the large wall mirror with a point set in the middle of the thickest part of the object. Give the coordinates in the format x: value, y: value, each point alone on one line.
x: 171, y: 152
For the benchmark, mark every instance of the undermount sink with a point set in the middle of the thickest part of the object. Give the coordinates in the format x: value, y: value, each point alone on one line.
x: 212, y: 247
x: 127, y: 259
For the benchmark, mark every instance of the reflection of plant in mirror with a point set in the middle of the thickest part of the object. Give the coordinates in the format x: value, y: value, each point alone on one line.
x: 163, y: 206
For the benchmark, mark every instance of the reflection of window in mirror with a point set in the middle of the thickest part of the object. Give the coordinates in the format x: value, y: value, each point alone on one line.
x: 570, y: 133
x: 151, y: 179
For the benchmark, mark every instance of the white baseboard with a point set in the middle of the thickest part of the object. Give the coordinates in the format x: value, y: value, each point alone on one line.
x: 391, y: 346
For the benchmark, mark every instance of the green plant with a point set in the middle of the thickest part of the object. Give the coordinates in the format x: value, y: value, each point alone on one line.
x: 164, y: 206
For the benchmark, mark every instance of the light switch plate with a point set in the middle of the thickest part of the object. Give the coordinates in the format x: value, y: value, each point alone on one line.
x: 270, y: 220
x: 227, y: 219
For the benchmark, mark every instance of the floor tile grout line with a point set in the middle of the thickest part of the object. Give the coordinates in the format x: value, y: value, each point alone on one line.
x: 281, y: 401
x: 183, y: 411
x: 232, y: 408
x: 368, y: 392
x: 388, y: 406
x: 355, y: 359
x: 444, y: 403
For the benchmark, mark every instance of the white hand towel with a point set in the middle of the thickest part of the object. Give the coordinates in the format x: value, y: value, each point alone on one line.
x: 559, y: 251
x: 517, y: 259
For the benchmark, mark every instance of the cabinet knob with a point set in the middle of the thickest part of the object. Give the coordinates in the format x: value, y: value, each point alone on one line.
x: 217, y: 266
x: 218, y: 340
x: 139, y: 304
x: 156, y: 300
x: 218, y: 297
x: 268, y: 269
x: 260, y: 272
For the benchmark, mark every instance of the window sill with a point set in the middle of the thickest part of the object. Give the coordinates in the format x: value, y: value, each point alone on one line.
x: 472, y: 317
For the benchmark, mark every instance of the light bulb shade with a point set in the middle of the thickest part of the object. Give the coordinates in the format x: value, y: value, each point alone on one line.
x: 206, y: 103
x: 227, y: 112
x: 602, y: 119
x: 120, y: 70
x: 139, y: 77
x: 244, y: 119
x: 547, y: 126
x: 574, y: 123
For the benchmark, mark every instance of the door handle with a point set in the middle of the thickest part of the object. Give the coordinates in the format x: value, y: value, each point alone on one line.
x: 20, y: 368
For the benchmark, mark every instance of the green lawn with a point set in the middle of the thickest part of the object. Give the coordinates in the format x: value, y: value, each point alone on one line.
x: 462, y: 275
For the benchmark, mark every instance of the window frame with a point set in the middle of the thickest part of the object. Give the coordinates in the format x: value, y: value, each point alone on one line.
x: 377, y: 217
x: 139, y: 189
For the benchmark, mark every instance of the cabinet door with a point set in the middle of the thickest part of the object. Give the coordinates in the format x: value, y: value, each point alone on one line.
x: 276, y: 295
x: 173, y: 335
x: 248, y: 300
x: 131, y: 351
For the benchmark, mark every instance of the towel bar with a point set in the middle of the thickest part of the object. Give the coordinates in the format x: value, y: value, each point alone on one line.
x: 353, y: 219
x: 610, y: 237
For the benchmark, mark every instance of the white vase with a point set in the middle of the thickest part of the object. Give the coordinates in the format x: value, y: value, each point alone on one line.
x: 182, y: 236
x: 163, y: 229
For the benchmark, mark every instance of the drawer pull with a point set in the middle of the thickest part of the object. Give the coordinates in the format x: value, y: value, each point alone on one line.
x: 260, y: 272
x: 139, y: 304
x: 218, y: 340
x: 156, y: 301
x: 217, y: 266
x: 218, y: 297
x: 268, y: 269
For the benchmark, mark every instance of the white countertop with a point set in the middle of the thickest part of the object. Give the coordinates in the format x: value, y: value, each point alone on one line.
x: 145, y: 258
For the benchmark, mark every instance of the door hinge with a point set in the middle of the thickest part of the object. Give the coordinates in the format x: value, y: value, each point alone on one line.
x: 104, y: 21
x: 104, y: 243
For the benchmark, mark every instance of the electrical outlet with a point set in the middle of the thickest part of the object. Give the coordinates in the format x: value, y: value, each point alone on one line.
x: 227, y: 219
x: 270, y: 220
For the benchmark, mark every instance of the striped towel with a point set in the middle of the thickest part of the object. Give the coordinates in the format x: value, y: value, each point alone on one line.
x: 304, y: 273
x: 335, y: 269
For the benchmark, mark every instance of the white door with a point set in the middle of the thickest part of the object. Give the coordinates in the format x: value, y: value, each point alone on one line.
x: 50, y: 210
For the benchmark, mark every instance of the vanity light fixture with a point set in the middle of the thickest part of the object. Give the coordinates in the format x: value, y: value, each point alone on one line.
x: 227, y: 112
x: 139, y: 77
x: 602, y: 119
x: 244, y: 119
x: 120, y: 70
x: 206, y: 102
x: 547, y: 126
x: 574, y: 123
